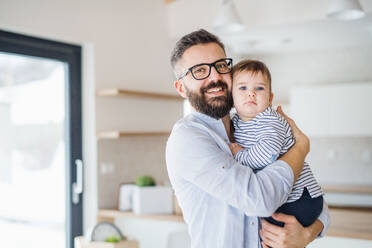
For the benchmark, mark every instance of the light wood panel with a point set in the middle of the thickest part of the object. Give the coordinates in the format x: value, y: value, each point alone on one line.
x: 351, y: 223
x: 133, y: 93
x: 168, y: 1
x: 118, y: 134
x: 353, y: 189
x: 107, y: 214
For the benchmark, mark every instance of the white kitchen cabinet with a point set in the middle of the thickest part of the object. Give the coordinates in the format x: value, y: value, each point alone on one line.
x: 327, y: 242
x: 342, y: 110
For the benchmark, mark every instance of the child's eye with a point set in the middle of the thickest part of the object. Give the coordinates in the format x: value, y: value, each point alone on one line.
x: 260, y: 88
x: 242, y: 88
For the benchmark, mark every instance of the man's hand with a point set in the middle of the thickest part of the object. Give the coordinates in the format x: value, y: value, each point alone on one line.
x: 292, y: 235
x: 235, y: 148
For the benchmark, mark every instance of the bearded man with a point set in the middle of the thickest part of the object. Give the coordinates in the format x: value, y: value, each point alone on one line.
x: 221, y: 199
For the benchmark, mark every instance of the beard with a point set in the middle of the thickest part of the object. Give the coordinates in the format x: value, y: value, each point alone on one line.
x: 215, y: 107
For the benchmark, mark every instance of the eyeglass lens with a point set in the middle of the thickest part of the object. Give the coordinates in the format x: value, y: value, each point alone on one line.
x: 203, y: 71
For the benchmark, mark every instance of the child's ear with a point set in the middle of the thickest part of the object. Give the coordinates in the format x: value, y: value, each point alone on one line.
x: 271, y: 99
x: 180, y: 88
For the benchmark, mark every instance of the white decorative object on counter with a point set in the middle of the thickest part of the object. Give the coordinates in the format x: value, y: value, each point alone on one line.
x: 153, y: 200
x: 125, y: 201
x: 104, y: 230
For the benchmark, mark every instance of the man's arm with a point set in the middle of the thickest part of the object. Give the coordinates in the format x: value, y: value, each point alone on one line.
x: 193, y: 155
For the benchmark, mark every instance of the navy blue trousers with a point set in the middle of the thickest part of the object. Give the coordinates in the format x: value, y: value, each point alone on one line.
x: 306, y: 209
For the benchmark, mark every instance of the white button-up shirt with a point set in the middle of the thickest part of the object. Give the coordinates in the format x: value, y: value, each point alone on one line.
x: 220, y: 198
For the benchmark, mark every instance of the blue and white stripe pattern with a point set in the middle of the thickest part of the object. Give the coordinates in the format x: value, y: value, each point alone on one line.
x: 264, y: 139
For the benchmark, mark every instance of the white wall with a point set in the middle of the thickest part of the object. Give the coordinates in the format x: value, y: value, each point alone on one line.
x: 126, y: 35
x: 319, y: 67
x: 125, y: 45
x: 326, y: 67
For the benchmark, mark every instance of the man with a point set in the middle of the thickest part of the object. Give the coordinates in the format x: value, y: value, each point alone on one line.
x: 219, y: 197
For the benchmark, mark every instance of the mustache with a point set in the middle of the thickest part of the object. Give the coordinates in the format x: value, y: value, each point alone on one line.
x: 219, y: 83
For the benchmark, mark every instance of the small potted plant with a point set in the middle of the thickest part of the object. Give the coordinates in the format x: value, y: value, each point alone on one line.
x: 149, y: 198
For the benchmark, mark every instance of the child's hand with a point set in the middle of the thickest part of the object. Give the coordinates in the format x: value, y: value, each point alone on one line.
x: 235, y: 148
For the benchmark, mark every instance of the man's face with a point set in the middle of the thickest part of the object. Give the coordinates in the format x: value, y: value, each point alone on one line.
x: 212, y: 95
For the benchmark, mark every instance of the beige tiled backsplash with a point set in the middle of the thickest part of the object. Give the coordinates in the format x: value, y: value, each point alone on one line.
x: 122, y: 160
x: 336, y: 160
x: 333, y: 161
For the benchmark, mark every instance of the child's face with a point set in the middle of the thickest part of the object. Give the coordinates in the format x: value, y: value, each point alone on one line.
x: 251, y: 93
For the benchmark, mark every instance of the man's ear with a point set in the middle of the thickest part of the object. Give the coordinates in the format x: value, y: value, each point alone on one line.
x: 180, y: 88
x: 271, y: 98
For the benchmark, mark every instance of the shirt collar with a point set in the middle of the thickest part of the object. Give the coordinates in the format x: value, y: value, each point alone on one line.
x: 205, y: 117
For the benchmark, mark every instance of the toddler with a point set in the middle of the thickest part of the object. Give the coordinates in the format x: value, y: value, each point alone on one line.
x: 262, y: 135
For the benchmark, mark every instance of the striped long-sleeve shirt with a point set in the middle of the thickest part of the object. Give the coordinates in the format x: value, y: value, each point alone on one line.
x: 264, y: 139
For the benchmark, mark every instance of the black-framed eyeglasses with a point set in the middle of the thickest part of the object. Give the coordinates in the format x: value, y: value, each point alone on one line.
x: 202, y: 71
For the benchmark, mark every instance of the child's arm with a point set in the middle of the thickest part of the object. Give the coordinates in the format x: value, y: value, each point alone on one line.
x: 267, y: 148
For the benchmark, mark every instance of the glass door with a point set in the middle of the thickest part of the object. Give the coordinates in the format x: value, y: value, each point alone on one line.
x: 41, y: 165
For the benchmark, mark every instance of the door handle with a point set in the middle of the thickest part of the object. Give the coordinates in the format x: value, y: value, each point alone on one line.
x: 77, y: 187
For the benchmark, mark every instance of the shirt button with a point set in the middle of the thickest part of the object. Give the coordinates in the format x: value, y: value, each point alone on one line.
x: 252, y: 223
x: 223, y: 167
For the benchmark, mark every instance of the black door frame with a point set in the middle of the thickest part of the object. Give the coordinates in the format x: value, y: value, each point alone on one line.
x: 70, y: 54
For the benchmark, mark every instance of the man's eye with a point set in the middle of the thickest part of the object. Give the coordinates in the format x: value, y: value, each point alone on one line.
x: 222, y: 65
x: 199, y: 70
x: 242, y: 88
x: 260, y: 88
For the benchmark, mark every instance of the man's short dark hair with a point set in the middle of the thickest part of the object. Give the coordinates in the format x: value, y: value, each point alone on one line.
x: 195, y: 38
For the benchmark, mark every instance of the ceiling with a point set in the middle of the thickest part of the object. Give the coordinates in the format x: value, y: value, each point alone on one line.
x: 274, y: 26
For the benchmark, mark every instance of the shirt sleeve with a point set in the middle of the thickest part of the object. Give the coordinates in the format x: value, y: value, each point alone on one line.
x: 325, y: 219
x: 268, y: 147
x: 193, y: 155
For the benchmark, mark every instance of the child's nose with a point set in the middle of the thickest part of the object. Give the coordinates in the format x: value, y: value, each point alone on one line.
x: 251, y: 93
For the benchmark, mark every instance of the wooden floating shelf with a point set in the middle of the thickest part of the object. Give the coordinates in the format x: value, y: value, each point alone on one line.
x: 168, y: 1
x: 350, y: 223
x: 348, y: 189
x: 346, y: 223
x: 133, y: 93
x: 111, y: 214
x: 118, y: 134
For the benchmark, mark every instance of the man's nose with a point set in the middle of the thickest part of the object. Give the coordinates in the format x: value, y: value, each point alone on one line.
x: 214, y: 76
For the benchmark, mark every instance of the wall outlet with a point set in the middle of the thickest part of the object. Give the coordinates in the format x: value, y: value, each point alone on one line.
x: 107, y: 168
